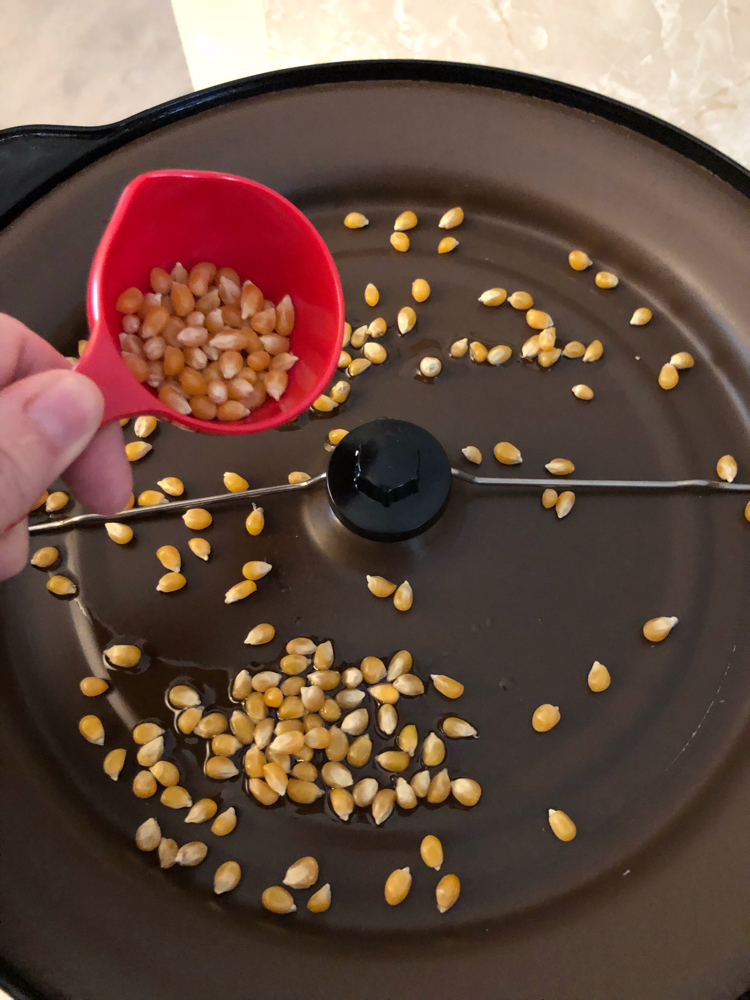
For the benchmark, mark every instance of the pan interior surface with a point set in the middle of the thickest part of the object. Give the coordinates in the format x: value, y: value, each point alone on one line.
x: 509, y: 599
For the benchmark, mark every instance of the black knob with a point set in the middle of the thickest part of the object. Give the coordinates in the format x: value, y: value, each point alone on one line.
x: 389, y: 480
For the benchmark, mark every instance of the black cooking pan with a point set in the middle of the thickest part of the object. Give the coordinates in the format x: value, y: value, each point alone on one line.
x: 650, y: 900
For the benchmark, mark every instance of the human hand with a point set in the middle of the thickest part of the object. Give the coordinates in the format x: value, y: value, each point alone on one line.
x: 49, y: 425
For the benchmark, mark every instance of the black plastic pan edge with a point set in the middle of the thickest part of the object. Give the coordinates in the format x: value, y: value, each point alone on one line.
x: 35, y: 158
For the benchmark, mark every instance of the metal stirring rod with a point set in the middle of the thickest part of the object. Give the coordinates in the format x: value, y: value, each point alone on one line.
x: 82, y: 520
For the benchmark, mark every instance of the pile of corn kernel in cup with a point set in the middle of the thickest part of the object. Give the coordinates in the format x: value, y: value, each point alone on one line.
x: 300, y: 730
x: 212, y: 346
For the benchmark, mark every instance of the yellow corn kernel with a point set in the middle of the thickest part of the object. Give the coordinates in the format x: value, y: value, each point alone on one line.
x: 545, y: 718
x: 337, y: 435
x: 172, y: 485
x: 447, y: 892
x: 478, y: 352
x: 91, y: 728
x: 372, y: 295
x: 355, y: 220
x: 45, y: 557
x: 726, y: 468
x: 561, y: 825
x: 151, y: 498
x: 560, y: 467
x: 171, y: 582
x: 575, y: 349
x: 447, y: 685
x: 493, y: 297
x: 420, y: 290
x: 169, y: 557
x: 564, y: 503
x: 447, y: 244
x: 379, y: 586
x: 256, y: 569
x: 145, y: 426
x: 594, y: 351
x: 507, y: 453
x: 61, y: 586
x: 92, y: 687
x: 579, y: 260
x: 404, y: 597
x: 119, y: 533
x: 407, y: 220
x: 400, y: 241
x: 397, y: 886
x: 114, y: 763
x: 324, y: 404
x: 452, y: 218
x: 659, y: 628
x: 56, y: 501
x: 200, y: 547
x: 375, y: 353
x: 135, y: 450
x: 538, y: 320
x: 197, y: 518
x: 599, y: 677
x: 605, y: 279
x: 358, y: 366
x: 340, y: 392
x: 240, y: 591
x: 499, y: 355
x: 406, y: 319
x: 124, y: 656
x: 255, y: 521
x: 641, y: 316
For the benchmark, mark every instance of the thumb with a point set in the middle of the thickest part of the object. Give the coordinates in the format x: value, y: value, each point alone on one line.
x: 47, y: 420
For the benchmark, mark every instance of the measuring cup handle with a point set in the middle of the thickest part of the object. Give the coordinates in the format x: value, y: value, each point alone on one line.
x: 123, y: 395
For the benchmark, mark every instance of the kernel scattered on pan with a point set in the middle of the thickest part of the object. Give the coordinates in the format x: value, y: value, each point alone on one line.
x: 726, y: 468
x: 452, y: 218
x: 579, y: 260
x: 45, y: 557
x: 355, y: 220
x: 430, y: 367
x: 657, y: 629
x: 605, y: 279
x: 61, y: 586
x: 545, y: 718
x: 507, y: 453
x: 406, y: 319
x: 641, y: 316
x: 121, y: 534
x: 598, y: 678
x: 420, y: 290
x: 561, y: 825
x: 447, y: 244
x: 564, y: 503
x: 493, y: 297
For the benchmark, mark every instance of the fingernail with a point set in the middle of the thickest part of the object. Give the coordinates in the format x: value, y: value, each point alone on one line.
x: 68, y: 410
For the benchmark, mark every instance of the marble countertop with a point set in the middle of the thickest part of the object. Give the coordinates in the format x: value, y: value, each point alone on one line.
x: 89, y: 62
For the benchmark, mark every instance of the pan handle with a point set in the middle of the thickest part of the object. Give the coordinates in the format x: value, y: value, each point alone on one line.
x: 33, y: 159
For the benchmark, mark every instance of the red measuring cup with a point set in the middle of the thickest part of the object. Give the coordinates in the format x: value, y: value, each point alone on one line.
x: 190, y: 216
